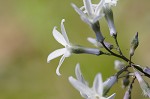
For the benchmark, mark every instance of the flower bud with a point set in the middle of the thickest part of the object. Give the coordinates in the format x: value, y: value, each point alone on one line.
x: 125, y: 81
x: 134, y: 44
x: 118, y: 65
x: 127, y: 94
x: 144, y: 85
x: 147, y: 70
x: 109, y: 83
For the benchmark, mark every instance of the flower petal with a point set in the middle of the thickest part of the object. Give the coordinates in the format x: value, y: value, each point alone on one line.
x: 59, y: 37
x: 88, y: 7
x: 98, y: 84
x: 99, y: 7
x: 81, y: 87
x: 79, y: 74
x: 64, y: 31
x: 56, y: 54
x: 112, y: 96
x: 93, y: 41
x: 59, y: 65
x: 82, y: 15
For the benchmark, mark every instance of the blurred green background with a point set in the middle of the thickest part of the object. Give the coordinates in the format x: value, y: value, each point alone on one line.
x: 26, y: 40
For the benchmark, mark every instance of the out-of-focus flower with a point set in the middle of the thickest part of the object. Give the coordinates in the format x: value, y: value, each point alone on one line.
x: 96, y: 92
x: 118, y: 65
x: 65, y: 52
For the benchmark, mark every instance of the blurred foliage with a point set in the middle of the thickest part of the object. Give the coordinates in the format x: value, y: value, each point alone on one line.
x: 26, y: 41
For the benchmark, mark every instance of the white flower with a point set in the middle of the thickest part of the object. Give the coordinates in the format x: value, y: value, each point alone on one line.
x: 96, y: 92
x: 65, y: 52
x: 92, y: 13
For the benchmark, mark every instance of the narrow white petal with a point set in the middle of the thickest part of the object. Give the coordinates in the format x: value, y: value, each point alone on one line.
x: 98, y: 84
x: 59, y: 37
x: 64, y: 31
x: 92, y: 40
x: 59, y: 65
x: 99, y: 7
x: 86, y: 20
x: 88, y: 7
x: 56, y: 54
x: 81, y: 13
x: 79, y: 74
x: 112, y: 96
x: 81, y: 87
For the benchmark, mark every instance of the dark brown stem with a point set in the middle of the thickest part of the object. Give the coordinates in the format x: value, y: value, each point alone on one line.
x: 114, y: 54
x: 141, y: 70
x: 118, y: 47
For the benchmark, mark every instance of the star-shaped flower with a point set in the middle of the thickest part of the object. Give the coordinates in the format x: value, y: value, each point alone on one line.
x: 96, y: 92
x: 62, y: 39
x: 91, y: 13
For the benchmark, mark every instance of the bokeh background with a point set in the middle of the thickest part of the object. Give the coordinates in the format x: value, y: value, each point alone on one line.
x: 26, y: 40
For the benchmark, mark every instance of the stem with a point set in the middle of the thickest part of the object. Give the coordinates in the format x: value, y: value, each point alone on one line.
x: 130, y: 60
x: 127, y: 60
x: 141, y: 70
x: 131, y: 86
x: 122, y: 70
x: 118, y: 47
x: 114, y: 54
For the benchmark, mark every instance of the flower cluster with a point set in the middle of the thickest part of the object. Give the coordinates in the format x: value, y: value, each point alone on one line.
x: 126, y: 72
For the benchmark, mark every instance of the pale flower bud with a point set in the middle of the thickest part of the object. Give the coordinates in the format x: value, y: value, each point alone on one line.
x: 125, y: 81
x: 109, y: 83
x: 127, y: 95
x: 147, y: 70
x: 134, y: 44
